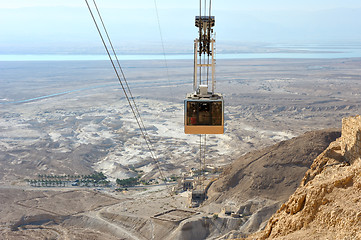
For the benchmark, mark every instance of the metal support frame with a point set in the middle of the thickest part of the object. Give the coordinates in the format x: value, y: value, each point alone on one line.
x: 204, y: 47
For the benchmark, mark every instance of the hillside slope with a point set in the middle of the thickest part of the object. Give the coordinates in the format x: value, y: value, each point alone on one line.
x: 258, y: 183
x: 273, y: 172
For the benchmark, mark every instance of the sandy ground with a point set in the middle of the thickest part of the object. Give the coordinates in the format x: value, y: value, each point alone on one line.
x: 91, y: 127
x: 31, y: 212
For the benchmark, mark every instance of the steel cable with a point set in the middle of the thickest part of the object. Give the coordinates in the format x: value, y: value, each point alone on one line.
x: 133, y: 108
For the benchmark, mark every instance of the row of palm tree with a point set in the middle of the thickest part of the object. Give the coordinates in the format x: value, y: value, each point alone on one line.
x: 47, y: 183
x: 94, y: 179
x: 63, y: 177
x: 60, y: 183
x: 70, y: 177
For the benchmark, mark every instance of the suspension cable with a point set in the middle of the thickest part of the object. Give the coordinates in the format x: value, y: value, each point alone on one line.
x: 209, y: 31
x: 202, y: 158
x: 162, y: 41
x: 205, y: 7
x: 164, y: 54
x: 133, y: 108
x: 200, y: 41
x: 142, y: 127
x: 121, y: 69
x: 203, y: 142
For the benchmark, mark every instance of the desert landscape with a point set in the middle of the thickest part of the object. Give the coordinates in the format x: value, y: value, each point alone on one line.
x: 71, y: 118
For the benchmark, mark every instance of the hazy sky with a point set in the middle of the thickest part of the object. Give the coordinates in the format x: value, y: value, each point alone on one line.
x: 67, y: 25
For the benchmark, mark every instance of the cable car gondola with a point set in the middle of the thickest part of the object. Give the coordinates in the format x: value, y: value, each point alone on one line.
x: 203, y: 114
x: 203, y: 109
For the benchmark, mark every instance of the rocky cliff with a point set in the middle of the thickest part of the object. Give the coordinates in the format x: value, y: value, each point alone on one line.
x: 327, y: 204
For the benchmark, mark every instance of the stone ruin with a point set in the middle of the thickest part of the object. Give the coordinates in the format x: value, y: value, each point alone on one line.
x: 351, y: 138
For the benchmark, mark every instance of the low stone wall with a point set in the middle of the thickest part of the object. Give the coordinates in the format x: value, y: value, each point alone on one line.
x: 351, y: 138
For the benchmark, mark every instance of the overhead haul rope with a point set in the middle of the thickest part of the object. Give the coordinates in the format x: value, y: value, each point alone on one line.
x: 202, y: 159
x: 162, y: 41
x: 133, y: 108
x: 120, y: 68
x: 164, y: 54
x: 200, y: 41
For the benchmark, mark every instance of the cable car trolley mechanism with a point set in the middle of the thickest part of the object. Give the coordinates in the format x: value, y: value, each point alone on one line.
x: 203, y: 109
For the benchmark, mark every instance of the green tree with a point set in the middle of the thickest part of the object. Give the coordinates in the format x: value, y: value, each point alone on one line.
x: 129, y: 182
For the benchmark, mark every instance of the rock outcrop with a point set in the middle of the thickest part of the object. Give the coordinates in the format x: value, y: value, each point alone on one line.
x: 327, y: 204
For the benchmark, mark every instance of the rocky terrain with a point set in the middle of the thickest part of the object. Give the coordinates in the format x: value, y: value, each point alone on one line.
x: 327, y: 203
x: 71, y: 118
x: 254, y: 186
x: 259, y: 182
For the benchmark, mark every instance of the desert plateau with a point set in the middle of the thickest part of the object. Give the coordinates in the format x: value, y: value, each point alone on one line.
x: 71, y: 119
